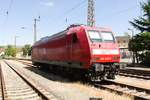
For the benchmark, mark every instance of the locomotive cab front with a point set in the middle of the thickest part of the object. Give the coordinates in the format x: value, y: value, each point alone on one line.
x: 105, y: 54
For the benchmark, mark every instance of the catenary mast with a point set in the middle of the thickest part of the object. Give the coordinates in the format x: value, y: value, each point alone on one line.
x: 91, y: 13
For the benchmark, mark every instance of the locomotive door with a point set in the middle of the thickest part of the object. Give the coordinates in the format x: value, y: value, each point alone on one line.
x: 68, y: 47
x: 73, y: 47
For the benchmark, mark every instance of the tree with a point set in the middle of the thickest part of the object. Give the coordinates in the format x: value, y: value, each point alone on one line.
x: 1, y: 46
x: 26, y: 50
x: 143, y: 23
x: 140, y: 43
x: 10, y: 51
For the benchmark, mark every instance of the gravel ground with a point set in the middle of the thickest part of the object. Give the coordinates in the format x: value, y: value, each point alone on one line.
x: 65, y: 90
x: 134, y: 81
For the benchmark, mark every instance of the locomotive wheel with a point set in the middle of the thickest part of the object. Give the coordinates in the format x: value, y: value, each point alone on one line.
x: 91, y: 77
x: 111, y: 76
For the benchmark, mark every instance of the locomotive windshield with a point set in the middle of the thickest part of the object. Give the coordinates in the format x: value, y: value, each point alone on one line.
x: 97, y: 36
x: 107, y: 36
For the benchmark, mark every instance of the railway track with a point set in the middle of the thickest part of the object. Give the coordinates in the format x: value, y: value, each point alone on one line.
x: 1, y: 84
x: 26, y: 63
x: 138, y: 72
x: 135, y: 73
x: 135, y: 76
x: 15, y: 85
x: 137, y: 93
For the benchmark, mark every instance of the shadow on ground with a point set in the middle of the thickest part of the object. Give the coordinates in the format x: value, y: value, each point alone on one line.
x: 53, y: 75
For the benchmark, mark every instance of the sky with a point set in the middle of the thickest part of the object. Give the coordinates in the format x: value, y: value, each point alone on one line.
x: 17, y: 17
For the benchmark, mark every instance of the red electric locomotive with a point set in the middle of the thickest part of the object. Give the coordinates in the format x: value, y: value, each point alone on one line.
x: 90, y: 50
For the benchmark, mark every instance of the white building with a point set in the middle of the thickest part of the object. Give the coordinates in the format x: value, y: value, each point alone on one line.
x: 2, y: 51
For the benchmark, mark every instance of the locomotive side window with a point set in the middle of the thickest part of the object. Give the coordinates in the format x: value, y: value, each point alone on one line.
x: 74, y: 38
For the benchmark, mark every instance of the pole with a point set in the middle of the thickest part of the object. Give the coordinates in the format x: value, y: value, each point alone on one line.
x: 35, y: 31
x: 133, y: 47
x: 15, y: 41
x: 133, y: 55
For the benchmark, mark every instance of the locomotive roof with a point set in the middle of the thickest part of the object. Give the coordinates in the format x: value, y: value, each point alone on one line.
x: 44, y: 39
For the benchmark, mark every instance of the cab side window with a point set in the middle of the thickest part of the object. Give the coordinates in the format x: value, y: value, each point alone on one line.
x: 74, y: 38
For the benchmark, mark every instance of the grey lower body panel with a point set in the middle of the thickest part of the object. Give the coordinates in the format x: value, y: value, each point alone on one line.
x: 61, y: 63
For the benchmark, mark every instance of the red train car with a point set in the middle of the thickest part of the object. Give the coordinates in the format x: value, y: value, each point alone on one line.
x: 92, y: 50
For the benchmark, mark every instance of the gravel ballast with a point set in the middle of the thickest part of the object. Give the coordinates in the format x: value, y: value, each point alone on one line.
x: 65, y: 90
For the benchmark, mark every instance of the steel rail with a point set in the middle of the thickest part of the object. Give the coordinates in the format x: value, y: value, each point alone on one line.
x: 4, y: 95
x: 136, y: 72
x: 122, y: 85
x: 135, y: 76
x: 40, y: 93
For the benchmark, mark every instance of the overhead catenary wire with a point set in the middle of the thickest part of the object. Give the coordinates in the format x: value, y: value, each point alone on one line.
x: 64, y: 18
x: 75, y: 7
x: 7, y: 12
x: 65, y: 14
x: 10, y: 5
x: 119, y: 12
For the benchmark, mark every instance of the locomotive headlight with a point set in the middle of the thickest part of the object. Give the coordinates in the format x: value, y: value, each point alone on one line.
x: 94, y: 59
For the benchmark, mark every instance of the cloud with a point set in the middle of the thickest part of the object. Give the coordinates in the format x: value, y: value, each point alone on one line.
x: 49, y: 4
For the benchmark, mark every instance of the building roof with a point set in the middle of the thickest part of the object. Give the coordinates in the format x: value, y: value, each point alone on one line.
x: 2, y: 50
x: 123, y: 37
